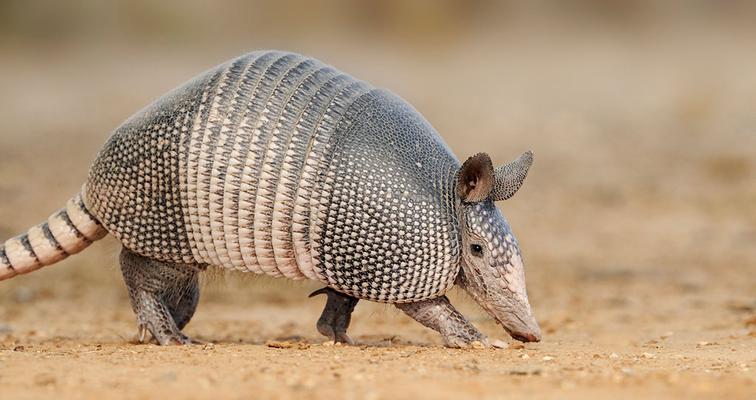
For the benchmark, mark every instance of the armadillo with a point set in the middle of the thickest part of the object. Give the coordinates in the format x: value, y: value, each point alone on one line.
x: 276, y: 163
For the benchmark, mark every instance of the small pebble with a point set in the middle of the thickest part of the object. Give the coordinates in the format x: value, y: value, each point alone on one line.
x: 649, y: 355
x: 477, y: 345
x: 547, y: 358
x: 279, y: 345
x: 499, y: 344
x: 524, y: 356
x: 613, y: 356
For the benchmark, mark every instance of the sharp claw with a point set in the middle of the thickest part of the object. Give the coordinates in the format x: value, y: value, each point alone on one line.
x: 179, y: 340
x: 142, y: 333
x: 197, y: 341
x: 344, y: 338
x: 319, y: 292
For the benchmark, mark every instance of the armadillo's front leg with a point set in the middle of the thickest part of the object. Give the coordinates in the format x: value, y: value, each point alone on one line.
x: 337, y: 314
x: 441, y: 316
x: 163, y: 296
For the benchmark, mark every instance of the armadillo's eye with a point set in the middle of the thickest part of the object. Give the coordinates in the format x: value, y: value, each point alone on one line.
x: 476, y: 250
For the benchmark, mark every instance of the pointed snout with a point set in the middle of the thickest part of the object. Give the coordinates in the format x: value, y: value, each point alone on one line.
x: 520, y: 324
x: 524, y: 332
x: 530, y: 335
x: 527, y: 337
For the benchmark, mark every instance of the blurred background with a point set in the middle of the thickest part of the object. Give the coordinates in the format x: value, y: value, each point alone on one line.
x: 638, y: 218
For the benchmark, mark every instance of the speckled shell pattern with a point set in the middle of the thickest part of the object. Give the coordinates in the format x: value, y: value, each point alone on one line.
x: 276, y: 163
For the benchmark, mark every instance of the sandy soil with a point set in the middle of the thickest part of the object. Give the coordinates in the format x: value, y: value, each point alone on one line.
x: 638, y: 226
x: 268, y: 348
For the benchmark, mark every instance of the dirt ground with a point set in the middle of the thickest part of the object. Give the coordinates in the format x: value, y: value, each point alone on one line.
x: 637, y: 223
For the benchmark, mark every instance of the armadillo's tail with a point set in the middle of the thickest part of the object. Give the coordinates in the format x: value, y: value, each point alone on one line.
x: 68, y: 231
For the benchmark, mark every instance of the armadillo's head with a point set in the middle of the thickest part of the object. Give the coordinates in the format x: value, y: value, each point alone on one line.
x: 492, y: 269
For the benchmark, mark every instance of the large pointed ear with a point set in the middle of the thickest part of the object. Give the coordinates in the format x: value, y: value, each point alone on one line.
x: 475, y: 179
x: 510, y: 177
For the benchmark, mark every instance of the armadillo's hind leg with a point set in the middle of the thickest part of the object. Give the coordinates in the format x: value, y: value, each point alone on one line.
x: 337, y: 314
x: 184, y: 304
x: 441, y: 316
x: 163, y: 296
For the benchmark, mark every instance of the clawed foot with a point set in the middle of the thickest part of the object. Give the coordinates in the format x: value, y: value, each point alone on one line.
x: 337, y: 314
x: 165, y: 338
x: 439, y: 315
x: 163, y: 297
x: 459, y: 342
x: 336, y: 334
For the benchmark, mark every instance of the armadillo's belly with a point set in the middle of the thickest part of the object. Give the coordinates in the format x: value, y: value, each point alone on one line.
x: 242, y: 168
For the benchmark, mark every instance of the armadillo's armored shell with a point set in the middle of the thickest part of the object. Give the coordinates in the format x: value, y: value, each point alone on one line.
x: 276, y: 163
